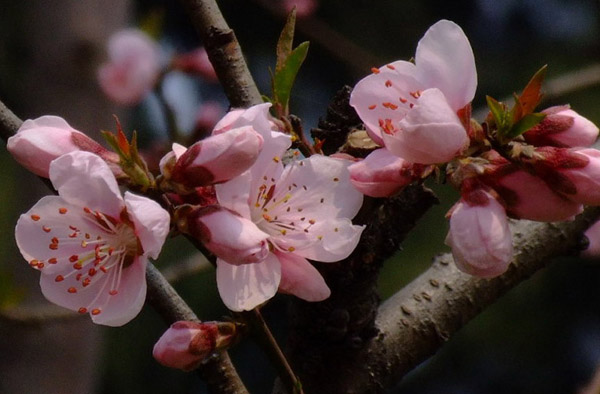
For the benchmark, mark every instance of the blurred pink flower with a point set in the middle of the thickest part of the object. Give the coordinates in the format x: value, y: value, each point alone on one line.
x: 479, y: 236
x: 593, y: 235
x: 304, y: 8
x: 133, y: 67
x: 304, y: 207
x: 91, y: 244
x: 41, y: 140
x: 412, y: 108
x: 196, y: 62
x: 562, y: 127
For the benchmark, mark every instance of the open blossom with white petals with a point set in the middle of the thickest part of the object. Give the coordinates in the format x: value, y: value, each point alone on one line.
x: 304, y: 207
x: 91, y: 244
x: 412, y: 108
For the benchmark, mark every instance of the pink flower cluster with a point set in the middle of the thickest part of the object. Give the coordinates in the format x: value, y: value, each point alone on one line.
x: 420, y: 114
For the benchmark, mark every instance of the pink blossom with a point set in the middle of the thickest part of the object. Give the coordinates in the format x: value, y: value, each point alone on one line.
x: 381, y: 174
x: 562, y: 127
x: 218, y: 158
x: 41, y: 140
x: 479, y: 236
x: 304, y: 207
x: 593, y: 235
x: 91, y: 244
x: 225, y: 233
x: 133, y: 67
x: 196, y: 62
x: 412, y: 108
x: 304, y: 8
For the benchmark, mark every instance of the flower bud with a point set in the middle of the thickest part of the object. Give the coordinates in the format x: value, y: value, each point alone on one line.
x: 479, y: 235
x: 185, y: 345
x: 218, y: 158
x: 585, y: 178
x: 133, y: 68
x: 528, y: 197
x: 593, y: 235
x: 562, y: 127
x: 42, y: 140
x: 196, y: 62
x: 381, y: 174
x: 233, y: 238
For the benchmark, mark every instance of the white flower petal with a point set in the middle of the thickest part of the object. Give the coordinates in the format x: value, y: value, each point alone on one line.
x: 243, y: 287
x: 151, y: 223
x: 300, y: 278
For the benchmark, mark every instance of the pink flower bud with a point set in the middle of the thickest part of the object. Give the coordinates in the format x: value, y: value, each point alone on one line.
x: 42, y: 140
x: 218, y: 158
x: 479, y: 236
x: 593, y: 235
x: 381, y: 174
x: 133, y: 67
x: 228, y: 235
x: 528, y: 197
x: 185, y: 345
x: 562, y: 127
x: 586, y: 178
x: 196, y: 62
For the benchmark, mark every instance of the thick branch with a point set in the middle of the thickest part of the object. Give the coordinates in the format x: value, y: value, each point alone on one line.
x: 416, y: 322
x: 224, y: 52
x: 219, y: 373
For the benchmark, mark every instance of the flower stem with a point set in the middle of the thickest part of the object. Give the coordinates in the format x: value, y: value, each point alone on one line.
x: 267, y: 342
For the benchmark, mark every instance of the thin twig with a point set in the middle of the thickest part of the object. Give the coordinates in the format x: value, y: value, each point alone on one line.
x: 224, y: 53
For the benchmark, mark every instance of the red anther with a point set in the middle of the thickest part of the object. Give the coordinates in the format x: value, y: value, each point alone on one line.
x: 35, y: 218
x: 72, y: 290
x: 59, y: 278
x: 62, y: 210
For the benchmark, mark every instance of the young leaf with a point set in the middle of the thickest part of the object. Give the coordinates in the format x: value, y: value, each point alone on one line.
x: 285, y: 77
x: 531, y: 95
x: 498, y: 111
x: 284, y: 45
x: 526, y: 122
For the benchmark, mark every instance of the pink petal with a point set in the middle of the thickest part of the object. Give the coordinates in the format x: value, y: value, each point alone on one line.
x: 385, y: 94
x: 44, y: 221
x: 85, y: 180
x: 445, y: 60
x: 319, y: 188
x: 593, y: 235
x: 235, y: 194
x: 430, y: 133
x: 151, y: 223
x: 300, y: 278
x: 243, y: 287
x: 326, y: 241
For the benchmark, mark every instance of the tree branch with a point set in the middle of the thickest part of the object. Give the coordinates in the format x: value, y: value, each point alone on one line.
x: 224, y: 52
x: 419, y: 319
x: 219, y: 373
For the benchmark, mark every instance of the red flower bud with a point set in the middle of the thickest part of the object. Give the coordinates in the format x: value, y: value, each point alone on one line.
x: 562, y: 127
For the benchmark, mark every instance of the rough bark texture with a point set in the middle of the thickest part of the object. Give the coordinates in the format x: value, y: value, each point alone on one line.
x: 418, y: 320
x: 224, y: 53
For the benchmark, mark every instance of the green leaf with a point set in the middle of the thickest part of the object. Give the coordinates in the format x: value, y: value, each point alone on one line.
x: 524, y: 124
x: 285, y: 77
x: 531, y: 95
x: 286, y: 38
x: 498, y: 111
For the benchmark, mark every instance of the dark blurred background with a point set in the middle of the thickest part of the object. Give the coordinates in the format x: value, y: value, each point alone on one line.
x: 543, y: 337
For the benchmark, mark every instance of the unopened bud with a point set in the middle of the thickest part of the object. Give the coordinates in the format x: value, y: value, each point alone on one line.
x: 562, y: 127
x: 479, y: 236
x: 41, y: 140
x: 218, y: 158
x: 381, y: 174
x: 185, y: 345
x: 233, y: 238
